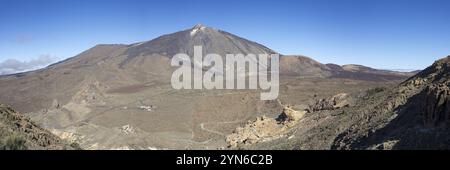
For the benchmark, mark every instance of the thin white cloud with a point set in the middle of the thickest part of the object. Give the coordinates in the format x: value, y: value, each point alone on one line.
x: 23, y: 39
x: 11, y: 66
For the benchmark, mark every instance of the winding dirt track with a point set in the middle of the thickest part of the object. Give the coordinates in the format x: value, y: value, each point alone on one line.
x: 202, y: 126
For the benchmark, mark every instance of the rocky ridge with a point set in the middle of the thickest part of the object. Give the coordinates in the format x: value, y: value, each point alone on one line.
x: 19, y: 132
x: 265, y: 129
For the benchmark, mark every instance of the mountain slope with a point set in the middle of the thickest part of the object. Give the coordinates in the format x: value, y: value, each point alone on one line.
x: 212, y: 41
x: 413, y: 115
x: 107, y: 90
x: 18, y: 132
x: 114, y: 67
x: 302, y: 66
x: 359, y: 72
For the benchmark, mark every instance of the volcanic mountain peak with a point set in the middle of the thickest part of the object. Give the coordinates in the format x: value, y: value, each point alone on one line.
x: 212, y: 40
x: 153, y: 57
x: 196, y: 28
x: 95, y: 88
x: 199, y: 25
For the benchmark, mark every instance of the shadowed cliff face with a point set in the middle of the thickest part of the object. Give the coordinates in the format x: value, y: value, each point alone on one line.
x: 432, y: 99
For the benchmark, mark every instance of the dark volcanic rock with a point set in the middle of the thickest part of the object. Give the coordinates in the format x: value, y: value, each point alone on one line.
x: 437, y: 105
x: 335, y: 102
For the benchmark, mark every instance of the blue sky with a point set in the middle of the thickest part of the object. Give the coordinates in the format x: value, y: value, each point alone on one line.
x: 394, y: 34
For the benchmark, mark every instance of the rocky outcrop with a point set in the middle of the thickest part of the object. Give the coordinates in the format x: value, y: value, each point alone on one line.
x: 436, y: 111
x: 253, y: 131
x: 128, y: 129
x: 264, y: 128
x: 432, y: 86
x: 19, y: 132
x: 412, y: 115
x: 337, y: 101
x: 290, y: 115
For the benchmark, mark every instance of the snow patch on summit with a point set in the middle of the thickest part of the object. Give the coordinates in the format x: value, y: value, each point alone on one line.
x: 196, y: 29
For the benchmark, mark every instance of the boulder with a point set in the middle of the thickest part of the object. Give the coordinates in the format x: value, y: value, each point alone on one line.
x: 290, y: 114
x: 335, y: 102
